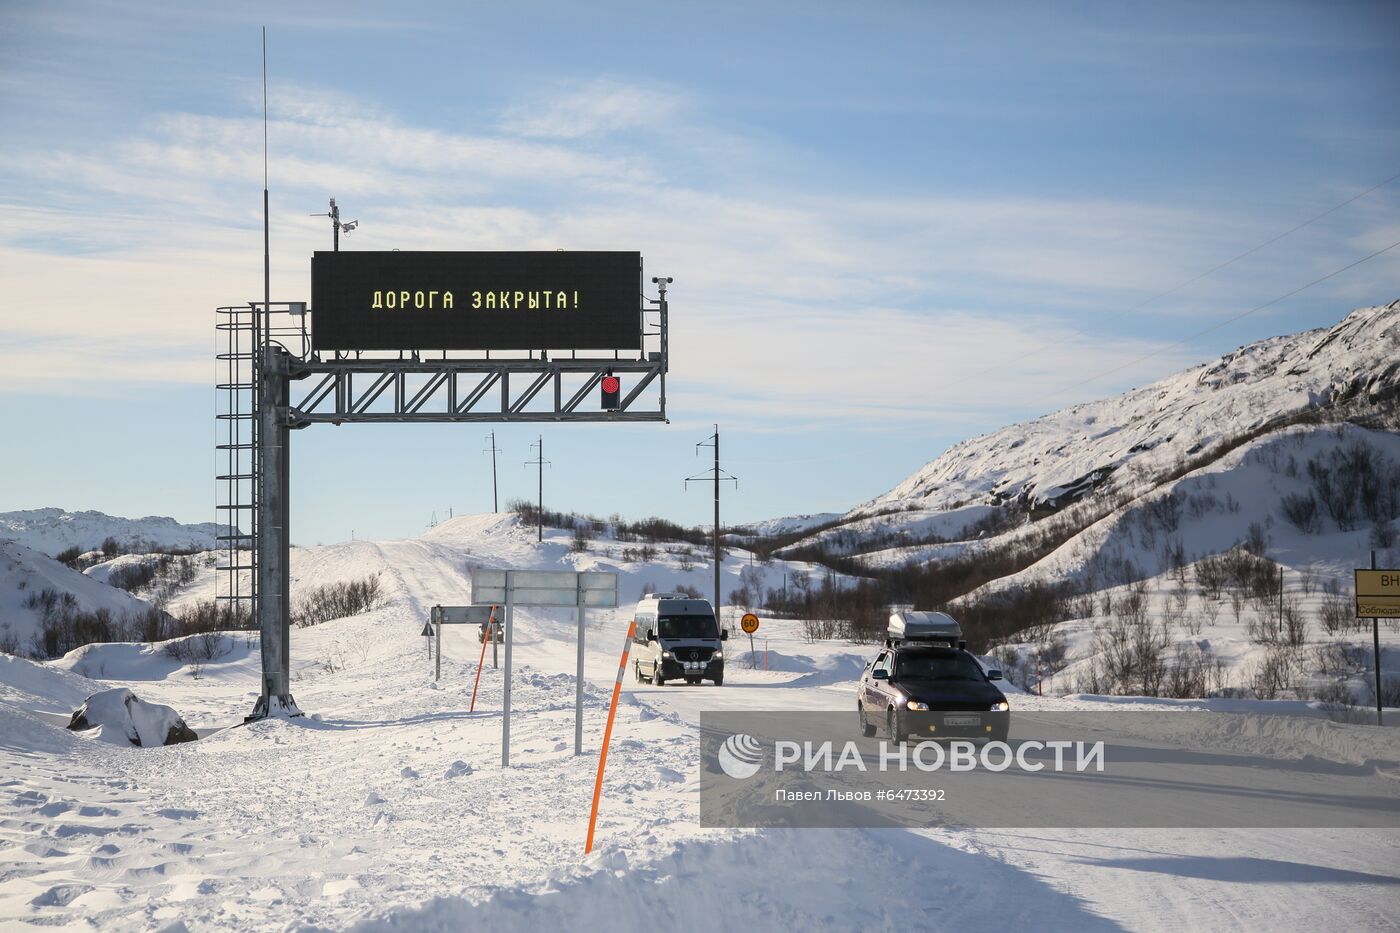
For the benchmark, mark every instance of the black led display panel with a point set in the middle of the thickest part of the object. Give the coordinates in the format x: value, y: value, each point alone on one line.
x: 476, y: 300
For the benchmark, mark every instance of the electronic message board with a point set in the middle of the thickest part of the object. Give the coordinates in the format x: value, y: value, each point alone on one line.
x: 476, y: 300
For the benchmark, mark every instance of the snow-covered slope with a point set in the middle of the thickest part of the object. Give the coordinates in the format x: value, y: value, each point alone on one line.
x: 25, y: 573
x: 1212, y: 509
x: 54, y: 530
x: 772, y: 527
x: 1060, y: 457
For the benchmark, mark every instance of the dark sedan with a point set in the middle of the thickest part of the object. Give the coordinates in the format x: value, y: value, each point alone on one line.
x: 931, y: 692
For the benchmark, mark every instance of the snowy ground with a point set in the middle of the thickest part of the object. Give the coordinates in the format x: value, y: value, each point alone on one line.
x: 388, y: 809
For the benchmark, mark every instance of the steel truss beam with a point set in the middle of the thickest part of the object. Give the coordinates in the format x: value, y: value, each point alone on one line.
x: 408, y: 391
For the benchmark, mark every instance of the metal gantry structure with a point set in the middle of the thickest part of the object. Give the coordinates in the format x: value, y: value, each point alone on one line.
x: 271, y: 382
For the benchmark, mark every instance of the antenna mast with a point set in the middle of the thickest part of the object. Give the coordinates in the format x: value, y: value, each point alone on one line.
x: 267, y: 240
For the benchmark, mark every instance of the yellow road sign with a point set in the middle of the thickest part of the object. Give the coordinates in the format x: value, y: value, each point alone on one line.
x: 1378, y: 594
x: 749, y: 623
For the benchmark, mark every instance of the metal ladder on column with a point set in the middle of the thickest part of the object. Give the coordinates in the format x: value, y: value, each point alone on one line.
x: 237, y: 458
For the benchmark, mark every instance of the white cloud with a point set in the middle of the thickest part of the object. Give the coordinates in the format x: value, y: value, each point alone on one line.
x: 817, y: 304
x: 591, y: 108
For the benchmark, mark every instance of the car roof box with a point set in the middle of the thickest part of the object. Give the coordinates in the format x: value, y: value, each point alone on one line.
x: 910, y: 625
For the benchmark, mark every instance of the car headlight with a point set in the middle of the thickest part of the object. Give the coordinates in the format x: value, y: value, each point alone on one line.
x: 917, y: 705
x: 717, y: 656
x: 666, y: 654
x: 1001, y: 707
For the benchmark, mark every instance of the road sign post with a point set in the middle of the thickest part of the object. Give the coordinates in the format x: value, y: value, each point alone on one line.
x: 441, y: 615
x: 505, y: 700
x: 749, y: 623
x: 1377, y: 596
x: 545, y: 588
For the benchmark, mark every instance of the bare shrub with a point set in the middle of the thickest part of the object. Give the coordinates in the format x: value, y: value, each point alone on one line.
x: 1301, y: 511
x: 1256, y: 541
x: 1382, y: 535
x: 1334, y: 693
x: 338, y: 600
x: 1336, y: 614
x: 1335, y: 657
x: 1295, y: 624
x: 1356, y: 483
x: 1390, y: 691
x: 1268, y: 676
x: 200, y: 648
x: 1192, y: 672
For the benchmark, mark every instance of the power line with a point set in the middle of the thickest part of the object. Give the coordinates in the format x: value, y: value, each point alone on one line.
x: 1270, y: 242
x: 1178, y: 287
x: 1214, y: 327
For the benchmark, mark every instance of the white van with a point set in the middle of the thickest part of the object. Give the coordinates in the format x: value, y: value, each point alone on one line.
x: 677, y: 638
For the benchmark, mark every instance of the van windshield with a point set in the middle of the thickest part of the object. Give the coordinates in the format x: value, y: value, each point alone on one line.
x: 688, y: 626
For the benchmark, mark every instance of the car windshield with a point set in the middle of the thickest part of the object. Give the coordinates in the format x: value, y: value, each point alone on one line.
x: 941, y: 666
x: 688, y: 626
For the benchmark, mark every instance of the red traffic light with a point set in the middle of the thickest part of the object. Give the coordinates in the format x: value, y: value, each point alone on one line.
x: 612, y: 392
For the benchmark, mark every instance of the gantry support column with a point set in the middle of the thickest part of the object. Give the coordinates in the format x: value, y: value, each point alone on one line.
x: 274, y: 540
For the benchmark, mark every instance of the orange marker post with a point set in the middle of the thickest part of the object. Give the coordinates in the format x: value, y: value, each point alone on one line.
x: 490, y: 636
x: 607, y: 735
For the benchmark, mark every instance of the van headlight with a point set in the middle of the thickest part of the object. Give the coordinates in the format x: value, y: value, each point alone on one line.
x: 667, y: 655
x: 717, y: 656
x: 917, y: 705
x: 1001, y: 707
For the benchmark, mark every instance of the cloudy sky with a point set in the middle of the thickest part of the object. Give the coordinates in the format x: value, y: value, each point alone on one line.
x: 891, y: 225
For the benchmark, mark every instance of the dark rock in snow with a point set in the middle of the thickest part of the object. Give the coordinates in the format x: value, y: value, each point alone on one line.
x: 122, y: 717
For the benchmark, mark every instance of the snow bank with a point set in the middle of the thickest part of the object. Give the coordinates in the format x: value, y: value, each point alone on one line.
x: 844, y: 880
x: 120, y: 717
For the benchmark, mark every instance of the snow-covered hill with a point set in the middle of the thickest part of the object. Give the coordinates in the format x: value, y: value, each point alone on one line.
x: 26, y: 574
x: 55, y: 530
x: 1063, y: 456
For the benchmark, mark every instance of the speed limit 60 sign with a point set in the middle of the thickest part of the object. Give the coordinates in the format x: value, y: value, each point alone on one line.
x: 749, y: 623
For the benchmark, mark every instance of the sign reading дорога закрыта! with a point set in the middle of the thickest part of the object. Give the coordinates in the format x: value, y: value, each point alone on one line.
x: 504, y: 300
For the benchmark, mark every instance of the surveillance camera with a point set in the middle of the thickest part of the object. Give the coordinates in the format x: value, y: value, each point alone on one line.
x: 657, y: 280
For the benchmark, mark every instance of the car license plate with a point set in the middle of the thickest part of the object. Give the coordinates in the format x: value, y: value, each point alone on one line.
x: 963, y: 720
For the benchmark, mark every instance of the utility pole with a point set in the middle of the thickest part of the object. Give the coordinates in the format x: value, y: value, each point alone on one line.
x: 539, y: 463
x: 1376, y: 648
x: 493, y: 450
x: 718, y: 476
x: 336, y: 226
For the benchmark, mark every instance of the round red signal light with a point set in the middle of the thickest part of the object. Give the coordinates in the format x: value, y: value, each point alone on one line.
x: 610, y: 384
